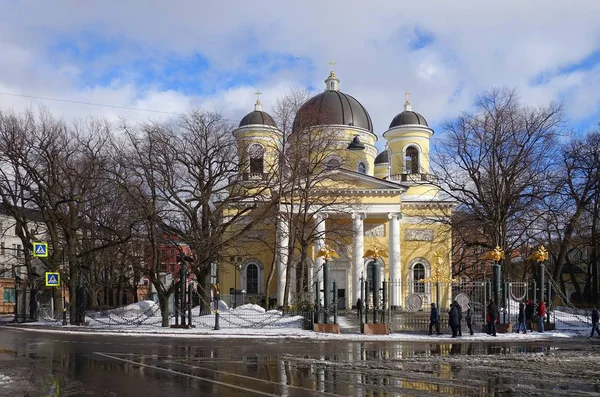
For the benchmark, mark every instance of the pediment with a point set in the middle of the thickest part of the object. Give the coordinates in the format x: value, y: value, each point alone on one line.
x: 354, y: 181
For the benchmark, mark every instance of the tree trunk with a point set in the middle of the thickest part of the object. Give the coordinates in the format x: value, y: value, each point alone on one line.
x: 163, y: 302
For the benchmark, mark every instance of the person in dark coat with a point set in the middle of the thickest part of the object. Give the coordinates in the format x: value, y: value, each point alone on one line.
x: 469, y: 319
x: 459, y: 309
x: 529, y: 310
x: 434, y: 319
x: 493, y: 315
x: 453, y: 320
x: 359, y: 307
x: 521, y: 319
x: 595, y: 319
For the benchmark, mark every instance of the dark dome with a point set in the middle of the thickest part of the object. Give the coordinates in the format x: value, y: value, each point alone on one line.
x: 382, y: 158
x: 408, y: 117
x: 258, y: 117
x: 332, y: 107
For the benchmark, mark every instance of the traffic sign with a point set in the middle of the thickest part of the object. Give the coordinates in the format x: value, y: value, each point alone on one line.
x: 52, y: 279
x: 40, y: 249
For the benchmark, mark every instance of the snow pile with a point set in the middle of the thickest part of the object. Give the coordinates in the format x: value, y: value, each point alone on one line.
x: 147, y: 313
x: 251, y: 307
x: 4, y: 380
x: 143, y: 308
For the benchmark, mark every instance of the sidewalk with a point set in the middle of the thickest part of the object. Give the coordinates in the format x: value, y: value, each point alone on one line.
x: 291, y: 333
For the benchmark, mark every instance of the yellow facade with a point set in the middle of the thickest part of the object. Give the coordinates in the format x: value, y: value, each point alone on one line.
x: 371, y: 201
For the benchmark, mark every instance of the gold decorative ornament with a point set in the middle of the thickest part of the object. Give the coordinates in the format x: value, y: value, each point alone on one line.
x: 496, y: 254
x: 438, y: 275
x: 327, y: 253
x: 375, y: 253
x: 540, y: 255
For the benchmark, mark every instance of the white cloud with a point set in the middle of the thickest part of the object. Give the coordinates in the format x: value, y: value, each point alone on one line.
x: 476, y: 45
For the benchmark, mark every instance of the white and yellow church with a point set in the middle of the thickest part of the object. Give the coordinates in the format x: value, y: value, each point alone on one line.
x: 384, y: 199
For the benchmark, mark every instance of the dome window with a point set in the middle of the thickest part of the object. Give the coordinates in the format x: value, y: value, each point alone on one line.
x: 257, y: 154
x: 362, y: 168
x: 412, y: 160
x: 333, y: 163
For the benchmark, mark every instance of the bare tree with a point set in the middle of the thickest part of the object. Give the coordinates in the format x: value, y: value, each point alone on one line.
x: 496, y: 163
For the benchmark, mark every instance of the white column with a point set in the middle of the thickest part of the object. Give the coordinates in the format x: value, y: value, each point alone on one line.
x: 319, y: 243
x: 357, y: 254
x: 395, y: 270
x: 282, y: 256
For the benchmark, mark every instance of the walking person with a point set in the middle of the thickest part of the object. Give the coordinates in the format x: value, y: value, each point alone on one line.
x: 453, y: 320
x: 541, y: 312
x: 595, y: 319
x: 459, y: 309
x: 359, y: 307
x: 434, y: 320
x: 493, y: 315
x: 469, y: 319
x: 521, y: 319
x: 529, y: 310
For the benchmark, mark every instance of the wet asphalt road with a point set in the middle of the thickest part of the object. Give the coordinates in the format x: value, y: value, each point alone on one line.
x: 52, y: 364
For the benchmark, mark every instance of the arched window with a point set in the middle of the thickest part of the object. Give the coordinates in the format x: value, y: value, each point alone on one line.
x: 418, y: 274
x: 412, y: 160
x: 332, y: 85
x: 252, y: 279
x: 333, y: 163
x: 362, y: 168
x: 257, y: 154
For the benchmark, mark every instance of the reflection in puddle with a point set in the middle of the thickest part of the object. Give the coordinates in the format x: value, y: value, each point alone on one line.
x: 288, y: 368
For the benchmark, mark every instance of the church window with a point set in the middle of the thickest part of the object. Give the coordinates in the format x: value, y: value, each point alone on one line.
x: 412, y: 160
x: 362, y: 168
x: 333, y: 163
x: 332, y: 85
x: 418, y: 274
x: 257, y: 153
x: 252, y: 279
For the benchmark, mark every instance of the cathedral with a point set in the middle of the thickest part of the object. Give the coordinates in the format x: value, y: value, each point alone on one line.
x: 386, y: 200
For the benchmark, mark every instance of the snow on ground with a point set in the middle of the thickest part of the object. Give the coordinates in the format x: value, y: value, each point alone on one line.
x: 252, y: 321
x: 4, y: 380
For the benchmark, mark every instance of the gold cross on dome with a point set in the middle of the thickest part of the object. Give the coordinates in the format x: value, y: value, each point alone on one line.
x: 257, y: 93
x: 332, y: 63
x: 407, y: 96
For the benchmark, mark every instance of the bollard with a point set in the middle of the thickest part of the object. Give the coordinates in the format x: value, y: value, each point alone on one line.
x: 64, y: 316
x: 217, y: 327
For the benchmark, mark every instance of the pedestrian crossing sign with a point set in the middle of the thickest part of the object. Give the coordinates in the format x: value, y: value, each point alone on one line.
x: 40, y: 249
x: 52, y: 279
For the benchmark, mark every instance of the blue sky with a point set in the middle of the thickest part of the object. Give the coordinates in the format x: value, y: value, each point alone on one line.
x: 189, y: 54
